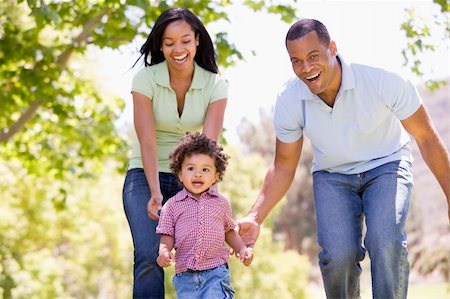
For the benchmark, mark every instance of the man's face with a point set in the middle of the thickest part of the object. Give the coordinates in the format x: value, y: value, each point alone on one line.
x: 314, y: 63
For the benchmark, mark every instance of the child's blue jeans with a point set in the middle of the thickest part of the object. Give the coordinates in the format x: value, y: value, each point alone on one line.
x: 207, y: 284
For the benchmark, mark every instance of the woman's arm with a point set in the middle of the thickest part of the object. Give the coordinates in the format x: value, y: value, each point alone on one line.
x: 146, y: 132
x: 213, y: 123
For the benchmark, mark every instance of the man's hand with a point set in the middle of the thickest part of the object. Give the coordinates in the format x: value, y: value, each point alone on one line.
x: 248, y: 230
x: 154, y: 205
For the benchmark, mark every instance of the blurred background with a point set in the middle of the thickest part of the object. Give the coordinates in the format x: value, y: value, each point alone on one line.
x: 66, y: 129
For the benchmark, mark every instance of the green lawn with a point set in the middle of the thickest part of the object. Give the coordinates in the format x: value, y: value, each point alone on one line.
x: 415, y: 291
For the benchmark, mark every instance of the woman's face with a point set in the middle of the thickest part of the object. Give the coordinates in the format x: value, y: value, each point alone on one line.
x: 179, y: 45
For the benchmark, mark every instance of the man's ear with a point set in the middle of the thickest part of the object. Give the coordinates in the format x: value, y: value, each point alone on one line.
x: 333, y: 48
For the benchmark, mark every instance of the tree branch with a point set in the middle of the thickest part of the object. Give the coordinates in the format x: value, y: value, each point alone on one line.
x: 6, y: 134
x: 62, y: 60
x: 82, y: 37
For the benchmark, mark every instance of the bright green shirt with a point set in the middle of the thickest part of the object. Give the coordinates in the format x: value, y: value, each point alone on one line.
x: 153, y: 82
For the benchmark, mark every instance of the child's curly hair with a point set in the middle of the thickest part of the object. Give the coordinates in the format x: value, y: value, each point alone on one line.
x: 198, y: 143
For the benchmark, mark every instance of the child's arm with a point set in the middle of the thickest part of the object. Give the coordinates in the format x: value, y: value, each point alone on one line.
x: 244, y: 253
x: 166, y: 257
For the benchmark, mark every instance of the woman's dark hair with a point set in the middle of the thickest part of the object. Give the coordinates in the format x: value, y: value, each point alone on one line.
x: 305, y: 26
x: 205, y: 56
x: 198, y: 143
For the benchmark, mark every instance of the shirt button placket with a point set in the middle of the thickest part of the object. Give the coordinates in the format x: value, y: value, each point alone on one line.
x: 201, y: 229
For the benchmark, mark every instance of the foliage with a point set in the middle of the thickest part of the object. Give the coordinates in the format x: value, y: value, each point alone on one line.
x: 71, y: 253
x: 419, y: 33
x: 57, y: 129
x: 86, y: 251
x: 54, y: 121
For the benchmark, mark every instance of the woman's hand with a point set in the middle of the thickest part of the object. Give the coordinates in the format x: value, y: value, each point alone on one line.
x: 154, y: 205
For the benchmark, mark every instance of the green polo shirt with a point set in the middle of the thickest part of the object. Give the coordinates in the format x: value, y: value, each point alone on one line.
x: 153, y: 82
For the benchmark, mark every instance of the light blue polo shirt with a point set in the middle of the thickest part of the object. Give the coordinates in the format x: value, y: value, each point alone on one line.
x: 362, y: 130
x: 154, y: 82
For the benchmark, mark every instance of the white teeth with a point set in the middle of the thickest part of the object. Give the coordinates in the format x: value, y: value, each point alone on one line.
x: 180, y: 57
x: 312, y: 77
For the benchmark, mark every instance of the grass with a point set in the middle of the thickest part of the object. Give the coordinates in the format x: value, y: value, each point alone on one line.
x: 415, y: 291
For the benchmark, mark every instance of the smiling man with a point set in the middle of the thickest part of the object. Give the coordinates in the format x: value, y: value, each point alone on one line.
x: 359, y: 120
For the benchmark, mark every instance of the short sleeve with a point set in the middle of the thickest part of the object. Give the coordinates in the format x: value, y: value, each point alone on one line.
x: 400, y: 96
x: 143, y: 82
x: 229, y: 223
x: 166, y: 225
x: 287, y: 119
x: 220, y: 89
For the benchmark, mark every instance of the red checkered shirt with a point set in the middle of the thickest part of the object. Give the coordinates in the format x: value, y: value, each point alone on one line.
x: 198, y: 226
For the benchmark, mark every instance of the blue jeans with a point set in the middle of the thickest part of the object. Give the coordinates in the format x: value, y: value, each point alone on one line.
x: 383, y: 196
x: 207, y: 284
x: 148, y: 276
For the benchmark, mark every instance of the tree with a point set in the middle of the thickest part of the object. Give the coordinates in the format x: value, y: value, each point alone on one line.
x: 419, y: 31
x: 53, y: 120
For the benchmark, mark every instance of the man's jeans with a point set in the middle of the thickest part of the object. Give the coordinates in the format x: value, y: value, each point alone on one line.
x: 148, y: 276
x: 207, y: 284
x: 383, y: 196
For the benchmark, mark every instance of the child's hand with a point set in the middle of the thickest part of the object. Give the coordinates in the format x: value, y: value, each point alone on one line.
x: 246, y: 255
x: 165, y: 258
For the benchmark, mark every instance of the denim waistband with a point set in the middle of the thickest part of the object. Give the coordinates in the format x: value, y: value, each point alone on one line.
x: 194, y: 271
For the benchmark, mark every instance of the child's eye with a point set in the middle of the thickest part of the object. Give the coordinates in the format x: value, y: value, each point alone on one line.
x: 190, y: 168
x: 206, y: 169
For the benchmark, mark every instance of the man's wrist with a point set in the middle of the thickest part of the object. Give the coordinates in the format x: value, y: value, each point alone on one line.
x: 253, y: 215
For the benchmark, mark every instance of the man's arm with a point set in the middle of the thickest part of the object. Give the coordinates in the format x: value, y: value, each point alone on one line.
x: 276, y: 183
x: 431, y: 147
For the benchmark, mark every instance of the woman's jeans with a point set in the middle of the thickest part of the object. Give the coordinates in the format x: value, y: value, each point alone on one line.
x: 148, y: 276
x: 383, y: 196
x: 208, y: 284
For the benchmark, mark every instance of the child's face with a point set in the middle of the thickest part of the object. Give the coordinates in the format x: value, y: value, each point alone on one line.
x: 198, y: 173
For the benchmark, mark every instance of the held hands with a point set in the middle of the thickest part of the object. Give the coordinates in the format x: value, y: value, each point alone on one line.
x: 248, y: 230
x: 245, y: 255
x: 165, y: 258
x: 154, y: 205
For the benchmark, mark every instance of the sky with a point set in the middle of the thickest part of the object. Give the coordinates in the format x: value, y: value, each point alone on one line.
x: 366, y: 32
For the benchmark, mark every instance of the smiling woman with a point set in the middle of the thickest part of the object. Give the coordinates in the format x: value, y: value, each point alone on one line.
x: 179, y: 90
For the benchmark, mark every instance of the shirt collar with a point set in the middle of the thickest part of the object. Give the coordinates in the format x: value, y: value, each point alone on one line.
x: 348, y: 81
x: 185, y: 193
x: 162, y: 75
